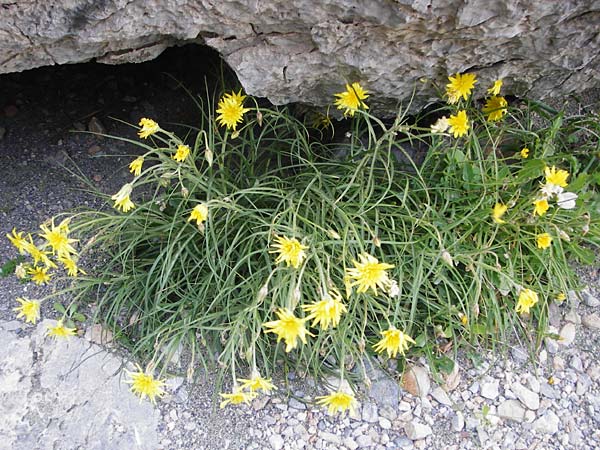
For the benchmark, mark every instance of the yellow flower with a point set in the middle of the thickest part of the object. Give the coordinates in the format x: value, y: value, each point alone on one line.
x: 561, y: 297
x: 17, y: 240
x: 256, y: 382
x: 57, y: 238
x: 30, y: 309
x: 289, y: 328
x: 393, y: 341
x: 498, y: 211
x: 337, y: 402
x: 558, y: 178
x: 71, y: 266
x: 543, y: 240
x: 460, y: 86
x: 290, y: 250
x: 524, y: 153
x: 59, y: 330
x: 369, y: 273
x: 463, y: 319
x: 495, y: 108
x: 38, y: 255
x: 149, y: 127
x: 236, y: 397
x: 540, y: 206
x: 199, y: 213
x: 459, y: 123
x: 231, y: 109
x: 121, y: 198
x: 136, y: 166
x: 182, y: 153
x: 527, y: 298
x: 327, y: 311
x: 495, y: 89
x: 39, y: 275
x: 145, y: 385
x: 351, y: 100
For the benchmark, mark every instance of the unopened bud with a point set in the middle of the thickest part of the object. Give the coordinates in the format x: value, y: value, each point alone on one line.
x: 447, y: 258
x: 209, y: 156
x: 184, y: 191
x: 564, y: 236
x: 235, y: 134
x: 262, y: 293
x: 376, y: 242
x: 259, y: 118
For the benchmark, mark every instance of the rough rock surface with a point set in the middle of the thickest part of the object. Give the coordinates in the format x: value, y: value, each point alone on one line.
x: 304, y: 50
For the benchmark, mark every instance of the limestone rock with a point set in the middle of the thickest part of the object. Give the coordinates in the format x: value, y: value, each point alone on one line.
x: 306, y: 50
x: 416, y: 381
x: 511, y: 409
x: 548, y: 423
x: 527, y: 397
x: 416, y: 430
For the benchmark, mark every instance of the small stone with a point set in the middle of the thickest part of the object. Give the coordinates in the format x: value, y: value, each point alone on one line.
x: 471, y: 423
x: 529, y: 416
x: 591, y: 321
x: 95, y: 126
x: 558, y: 363
x: 589, y: 299
x: 99, y: 335
x: 350, y: 443
x: 364, y: 440
x: 548, y: 423
x: 573, y: 317
x: 416, y: 430
x: 452, y: 380
x: 548, y: 391
x: 533, y: 383
x: 594, y: 372
x: 576, y: 363
x: 583, y: 383
x: 519, y: 354
x: 527, y: 397
x: 567, y: 334
x: 474, y: 388
x: 489, y: 388
x: 385, y: 391
x: 296, y: 404
x: 385, y: 423
x: 403, y: 442
x: 415, y: 380
x: 458, y: 421
x: 94, y: 149
x: 441, y: 396
x: 97, y: 178
x: 512, y: 410
x: 554, y: 314
x: 575, y: 437
x: 276, y: 441
x: 330, y: 437
x: 369, y: 412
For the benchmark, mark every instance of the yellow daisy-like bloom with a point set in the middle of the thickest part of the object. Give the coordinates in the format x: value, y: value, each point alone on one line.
x: 524, y: 153
x: 231, y: 110
x: 182, y: 153
x: 149, y: 127
x: 459, y: 123
x: 122, y: 200
x: 30, y: 309
x: 257, y: 383
x: 495, y: 108
x: 326, y: 312
x: 337, y: 402
x: 460, y: 85
x: 369, y: 273
x: 17, y: 240
x: 557, y: 177
x: 136, y: 166
x: 290, y: 250
x: 527, y: 299
x: 540, y: 206
x: 495, y: 89
x: 351, y: 100
x: 199, y: 213
x: 498, y: 211
x: 144, y: 384
x: 289, y: 328
x: 58, y: 239
x: 60, y: 331
x: 393, y: 341
x: 237, y: 397
x: 561, y: 297
x: 38, y: 255
x: 39, y: 275
x: 71, y: 266
x: 543, y: 240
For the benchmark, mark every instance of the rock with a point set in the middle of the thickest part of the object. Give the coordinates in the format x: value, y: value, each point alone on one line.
x: 554, y: 314
x: 276, y: 441
x: 95, y: 126
x: 547, y: 424
x: 415, y: 380
x: 452, y: 380
x: 306, y: 50
x: 573, y: 317
x: 385, y: 391
x: 458, y: 421
x: 527, y: 397
x: 384, y: 423
x: 489, y: 388
x: 330, y: 437
x: 296, y: 404
x: 364, y: 440
x: 589, y: 299
x: 369, y: 412
x: 416, y: 430
x: 99, y: 335
x: 567, y: 334
x: 94, y: 149
x: 576, y: 363
x: 591, y: 321
x: 512, y: 410
x: 441, y: 396
x: 520, y: 354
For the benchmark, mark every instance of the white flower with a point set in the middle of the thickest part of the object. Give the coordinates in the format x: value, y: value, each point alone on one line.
x: 440, y: 125
x: 566, y: 200
x: 549, y: 190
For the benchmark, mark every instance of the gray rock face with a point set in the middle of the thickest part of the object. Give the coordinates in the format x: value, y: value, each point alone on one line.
x: 306, y: 50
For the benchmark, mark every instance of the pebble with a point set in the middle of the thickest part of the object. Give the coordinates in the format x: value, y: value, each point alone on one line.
x: 529, y: 398
x: 416, y: 430
x: 416, y: 381
x: 512, y: 410
x: 576, y: 363
x: 591, y: 321
x: 369, y: 412
x: 441, y: 396
x: 547, y: 424
x: 489, y: 389
x: 573, y: 317
x: 589, y: 299
x: 296, y: 404
x: 95, y: 126
x: 567, y: 334
x: 276, y: 441
x: 458, y: 421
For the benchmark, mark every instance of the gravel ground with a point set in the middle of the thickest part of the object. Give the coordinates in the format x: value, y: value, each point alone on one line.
x: 504, y: 401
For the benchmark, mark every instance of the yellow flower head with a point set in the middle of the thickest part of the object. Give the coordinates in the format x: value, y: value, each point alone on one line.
x: 122, y: 200
x: 237, y: 397
x: 17, y: 240
x: 498, y: 211
x: 393, y: 341
x: 290, y: 250
x: 149, y: 127
x: 459, y: 123
x: 144, y: 384
x: 351, y: 100
x: 369, y: 273
x: 60, y: 331
x: 182, y: 153
x: 136, y: 166
x: 524, y: 153
x: 289, y: 328
x: 231, y: 110
x: 39, y: 275
x: 337, y: 402
x: 527, y: 299
x: 540, y: 206
x: 38, y: 255
x: 495, y: 108
x: 495, y: 89
x: 326, y: 312
x: 58, y: 239
x: 257, y: 383
x: 199, y: 213
x: 543, y: 240
x: 71, y: 266
x: 460, y: 85
x: 30, y: 309
x: 556, y: 177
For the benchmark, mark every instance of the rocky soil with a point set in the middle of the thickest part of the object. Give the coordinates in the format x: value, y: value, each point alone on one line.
x: 70, y: 394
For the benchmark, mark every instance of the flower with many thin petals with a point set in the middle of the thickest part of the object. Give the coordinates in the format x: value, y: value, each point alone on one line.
x: 144, y: 384
x: 527, y: 299
x: 393, y: 341
x: 337, y: 402
x: 289, y: 328
x: 498, y: 211
x: 39, y: 275
x: 495, y: 89
x: 290, y: 250
x: 326, y: 312
x: 199, y: 213
x: 38, y: 255
x: 237, y: 397
x: 543, y: 240
x: 369, y: 273
x: 556, y: 176
x: 351, y: 100
x: 495, y: 108
x: 17, y: 240
x: 257, y: 383
x: 149, y: 127
x: 60, y: 331
x: 540, y: 206
x: 30, y: 309
x: 58, y: 239
x: 70, y: 266
x: 231, y: 110
x: 135, y: 167
x: 122, y: 200
x: 460, y: 85
x: 183, y: 151
x: 459, y: 124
